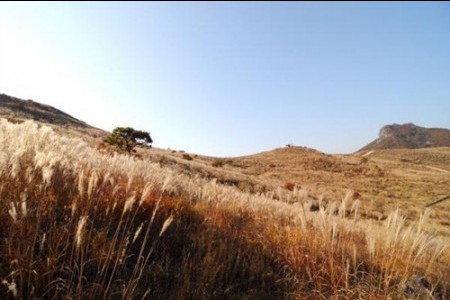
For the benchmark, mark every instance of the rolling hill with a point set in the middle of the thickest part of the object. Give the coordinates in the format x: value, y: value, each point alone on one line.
x: 286, y: 223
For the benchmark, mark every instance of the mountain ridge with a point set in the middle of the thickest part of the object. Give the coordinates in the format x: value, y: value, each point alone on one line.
x: 394, y: 136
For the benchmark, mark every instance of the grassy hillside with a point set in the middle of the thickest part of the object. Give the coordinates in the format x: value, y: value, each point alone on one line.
x: 18, y: 110
x: 382, y: 180
x: 85, y: 223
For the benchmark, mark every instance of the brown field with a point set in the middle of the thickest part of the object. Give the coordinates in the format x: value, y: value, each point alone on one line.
x: 82, y: 221
x: 383, y: 180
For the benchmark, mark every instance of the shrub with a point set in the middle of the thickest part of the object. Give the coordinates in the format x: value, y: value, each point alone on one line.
x: 289, y: 186
x: 218, y: 163
x: 187, y: 156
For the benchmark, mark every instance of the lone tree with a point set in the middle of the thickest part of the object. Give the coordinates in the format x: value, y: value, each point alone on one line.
x: 126, y: 138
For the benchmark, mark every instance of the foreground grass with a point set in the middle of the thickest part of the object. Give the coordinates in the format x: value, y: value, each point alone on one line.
x: 80, y: 224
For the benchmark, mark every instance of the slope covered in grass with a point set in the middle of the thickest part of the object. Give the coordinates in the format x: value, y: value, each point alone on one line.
x: 83, y: 224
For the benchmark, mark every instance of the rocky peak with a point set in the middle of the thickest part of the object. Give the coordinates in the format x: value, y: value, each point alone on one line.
x: 409, y: 136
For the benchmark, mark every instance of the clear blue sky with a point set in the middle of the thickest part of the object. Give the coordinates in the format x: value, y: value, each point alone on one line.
x: 229, y: 79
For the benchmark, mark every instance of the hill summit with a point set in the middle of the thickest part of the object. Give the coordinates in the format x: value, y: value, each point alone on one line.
x: 17, y: 110
x: 409, y: 136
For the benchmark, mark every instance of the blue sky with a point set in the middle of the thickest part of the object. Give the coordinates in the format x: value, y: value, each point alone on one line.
x: 230, y: 79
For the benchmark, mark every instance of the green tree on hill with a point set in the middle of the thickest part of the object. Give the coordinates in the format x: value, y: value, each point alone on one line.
x: 127, y: 138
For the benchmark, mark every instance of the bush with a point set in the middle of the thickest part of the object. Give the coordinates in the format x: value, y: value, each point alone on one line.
x: 289, y: 186
x: 187, y: 156
x: 218, y: 163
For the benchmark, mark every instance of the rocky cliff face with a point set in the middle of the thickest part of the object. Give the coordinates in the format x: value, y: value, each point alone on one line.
x: 409, y: 136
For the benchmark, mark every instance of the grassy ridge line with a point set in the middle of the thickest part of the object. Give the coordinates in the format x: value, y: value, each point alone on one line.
x: 85, y: 224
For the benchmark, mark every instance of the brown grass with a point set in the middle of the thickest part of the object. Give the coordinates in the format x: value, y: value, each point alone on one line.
x: 81, y: 224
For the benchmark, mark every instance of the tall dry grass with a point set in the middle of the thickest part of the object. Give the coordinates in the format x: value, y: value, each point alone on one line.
x: 77, y: 223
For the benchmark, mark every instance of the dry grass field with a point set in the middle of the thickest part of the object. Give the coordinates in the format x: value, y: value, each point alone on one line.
x: 382, y: 180
x: 82, y: 221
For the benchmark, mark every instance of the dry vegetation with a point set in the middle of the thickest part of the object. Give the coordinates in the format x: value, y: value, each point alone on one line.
x: 82, y: 223
x: 383, y: 180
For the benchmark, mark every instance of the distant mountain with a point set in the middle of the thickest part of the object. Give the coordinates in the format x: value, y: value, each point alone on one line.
x: 16, y: 110
x: 409, y: 136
